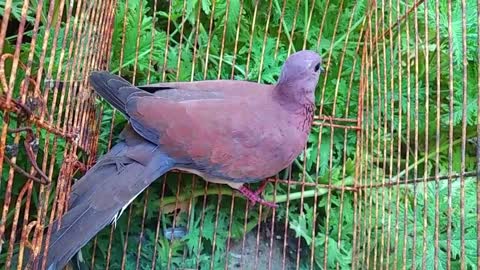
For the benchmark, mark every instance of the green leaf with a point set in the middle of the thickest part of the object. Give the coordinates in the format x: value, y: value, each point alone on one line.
x: 300, y: 227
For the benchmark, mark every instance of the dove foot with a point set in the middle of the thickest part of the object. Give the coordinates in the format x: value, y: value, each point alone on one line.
x: 261, y: 188
x: 254, y: 197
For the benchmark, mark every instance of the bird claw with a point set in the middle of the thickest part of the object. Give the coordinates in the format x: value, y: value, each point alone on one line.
x: 253, y: 196
x: 261, y: 188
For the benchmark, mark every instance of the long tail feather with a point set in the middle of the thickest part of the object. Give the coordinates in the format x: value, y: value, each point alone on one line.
x: 100, y: 196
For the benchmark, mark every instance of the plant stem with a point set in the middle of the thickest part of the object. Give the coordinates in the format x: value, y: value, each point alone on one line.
x: 229, y: 192
x: 131, y: 61
x: 279, y: 10
x: 196, y: 193
x: 342, y: 37
x: 229, y: 63
x: 299, y: 165
x: 297, y: 195
x: 177, y: 27
x: 442, y: 148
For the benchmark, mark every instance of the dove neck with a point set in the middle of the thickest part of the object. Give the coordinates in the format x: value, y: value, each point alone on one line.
x: 292, y: 97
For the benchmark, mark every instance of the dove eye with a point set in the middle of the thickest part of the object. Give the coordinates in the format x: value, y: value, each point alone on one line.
x: 317, y: 67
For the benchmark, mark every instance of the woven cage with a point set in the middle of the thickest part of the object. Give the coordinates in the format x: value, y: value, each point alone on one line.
x: 388, y: 179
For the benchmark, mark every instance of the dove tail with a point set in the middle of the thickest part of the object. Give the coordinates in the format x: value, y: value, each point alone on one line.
x: 99, y: 198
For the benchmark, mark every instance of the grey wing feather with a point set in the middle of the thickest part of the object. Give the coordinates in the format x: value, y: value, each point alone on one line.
x: 117, y: 91
x: 114, y: 89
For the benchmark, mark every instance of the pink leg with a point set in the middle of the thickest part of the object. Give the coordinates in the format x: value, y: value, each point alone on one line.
x: 254, y: 197
x: 261, y: 188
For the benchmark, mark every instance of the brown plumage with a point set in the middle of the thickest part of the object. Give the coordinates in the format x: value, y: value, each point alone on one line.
x: 227, y: 132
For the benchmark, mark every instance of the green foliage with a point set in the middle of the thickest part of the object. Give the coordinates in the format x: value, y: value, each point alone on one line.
x: 135, y: 39
x: 426, y: 208
x: 397, y: 93
x: 16, y: 10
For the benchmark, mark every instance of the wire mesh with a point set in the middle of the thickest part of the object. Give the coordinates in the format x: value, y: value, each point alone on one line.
x: 389, y: 177
x: 417, y: 181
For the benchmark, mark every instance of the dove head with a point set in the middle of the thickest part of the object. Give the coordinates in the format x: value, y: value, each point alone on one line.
x: 299, y: 77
